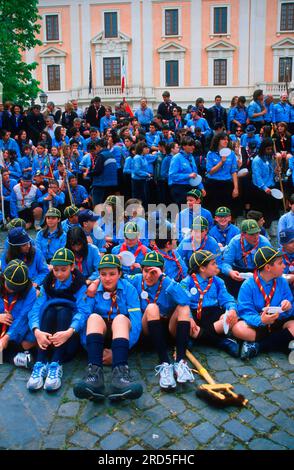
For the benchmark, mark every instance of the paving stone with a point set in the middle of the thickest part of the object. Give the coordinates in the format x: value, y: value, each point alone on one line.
x: 115, y: 440
x: 190, y: 417
x: 284, y: 364
x: 61, y: 426
x: 264, y: 407
x: 284, y: 422
x: 264, y: 444
x: 145, y: 401
x: 215, y: 415
x: 123, y: 414
x: 69, y: 410
x: 136, y: 427
x: 157, y: 414
x: 226, y: 377
x: 246, y: 416
x: 284, y: 439
x: 155, y: 438
x: 221, y: 442
x: 239, y: 430
x: 91, y: 410
x: 281, y: 399
x: 261, y: 362
x: 204, y: 432
x: 237, y: 446
x: 259, y: 384
x: 262, y: 425
x: 244, y: 390
x: 136, y: 447
x: 54, y: 442
x: 83, y: 439
x: 282, y: 383
x: 101, y: 425
x: 217, y: 363
x: 172, y: 403
x: 246, y: 370
x: 172, y: 428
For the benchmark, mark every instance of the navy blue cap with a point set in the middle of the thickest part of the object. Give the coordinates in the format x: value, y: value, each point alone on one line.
x: 27, y: 176
x: 18, y: 236
x: 86, y: 215
x: 286, y: 236
x: 193, y: 109
x: 250, y: 128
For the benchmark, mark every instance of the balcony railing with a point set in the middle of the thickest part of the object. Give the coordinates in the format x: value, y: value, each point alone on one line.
x: 274, y: 88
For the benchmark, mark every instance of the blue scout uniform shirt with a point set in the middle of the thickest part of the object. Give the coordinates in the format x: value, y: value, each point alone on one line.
x: 268, y: 117
x: 57, y: 200
x: 142, y: 226
x: 128, y: 304
x: 217, y: 295
x: 171, y: 294
x: 286, y: 222
x: 20, y: 326
x: 292, y: 114
x: 25, y: 163
x: 14, y: 169
x: 185, y: 248
x: 81, y: 300
x: 38, y: 269
x: 281, y: 112
x: 50, y: 244
x: 79, y: 194
x: 289, y: 262
x: 170, y: 266
x: 140, y: 167
x: 181, y: 166
x: 66, y: 225
x: 291, y: 167
x: 251, y: 301
x: 186, y: 217
x: 10, y: 144
x: 117, y: 153
x: 238, y: 114
x: 60, y: 143
x: 150, y: 138
x: 128, y: 166
x: 7, y: 191
x: 232, y: 256
x: 90, y: 263
x: 105, y: 123
x: 161, y: 138
x: 40, y: 163
x: 202, y: 123
x: 165, y: 167
x: 127, y: 269
x: 246, y: 140
x: 98, y: 242
x: 224, y: 236
x: 225, y: 172
x: 263, y: 175
x: 254, y: 108
x: 144, y: 116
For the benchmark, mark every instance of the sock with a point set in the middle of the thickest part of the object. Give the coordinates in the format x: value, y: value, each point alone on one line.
x: 42, y: 356
x: 208, y: 334
x: 95, y: 343
x: 120, y: 352
x: 158, y: 338
x: 182, y: 338
x: 277, y: 341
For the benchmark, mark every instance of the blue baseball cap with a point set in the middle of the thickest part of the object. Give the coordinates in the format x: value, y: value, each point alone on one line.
x: 286, y: 236
x: 86, y: 215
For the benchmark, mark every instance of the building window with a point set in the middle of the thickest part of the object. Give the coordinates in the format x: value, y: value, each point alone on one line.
x: 171, y: 22
x: 53, y: 77
x: 172, y: 73
x: 220, y: 20
x: 287, y: 17
x: 285, y: 69
x: 112, y: 71
x: 52, y: 28
x: 110, y: 25
x: 220, y: 72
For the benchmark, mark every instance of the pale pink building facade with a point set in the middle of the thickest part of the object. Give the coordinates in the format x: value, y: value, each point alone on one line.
x: 190, y: 47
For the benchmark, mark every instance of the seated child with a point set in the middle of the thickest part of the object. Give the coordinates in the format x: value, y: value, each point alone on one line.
x: 223, y: 231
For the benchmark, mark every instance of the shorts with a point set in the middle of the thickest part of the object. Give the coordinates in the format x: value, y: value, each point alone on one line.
x: 264, y: 332
x: 209, y: 316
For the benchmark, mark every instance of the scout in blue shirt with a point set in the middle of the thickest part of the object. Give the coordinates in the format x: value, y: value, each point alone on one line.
x: 60, y: 311
x: 52, y: 237
x: 87, y: 256
x: 174, y: 266
x: 20, y: 247
x: 256, y: 109
x: 238, y: 256
x: 197, y: 121
x: 250, y: 137
x: 87, y: 220
x: 17, y: 297
x: 134, y: 246
x: 79, y: 194
x: 209, y: 300
x: 184, y: 220
x: 223, y: 231
x: 260, y: 328
x: 287, y: 244
x: 163, y: 303
x: 72, y: 218
x: 281, y: 111
x: 107, y: 120
x: 198, y: 240
x: 287, y: 220
x: 54, y: 196
x: 115, y: 321
x: 151, y: 135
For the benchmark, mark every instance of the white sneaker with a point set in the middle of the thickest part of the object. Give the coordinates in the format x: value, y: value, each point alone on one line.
x: 36, y: 380
x: 183, y: 372
x: 23, y: 359
x: 53, y: 380
x: 166, y: 372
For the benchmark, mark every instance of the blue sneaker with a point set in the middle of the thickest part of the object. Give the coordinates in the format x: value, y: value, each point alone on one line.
x: 53, y: 380
x: 249, y: 350
x: 36, y: 380
x: 231, y: 346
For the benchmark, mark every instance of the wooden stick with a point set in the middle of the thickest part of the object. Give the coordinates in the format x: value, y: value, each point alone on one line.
x: 280, y: 177
x: 202, y: 371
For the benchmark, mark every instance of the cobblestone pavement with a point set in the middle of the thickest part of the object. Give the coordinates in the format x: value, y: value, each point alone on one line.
x: 157, y: 420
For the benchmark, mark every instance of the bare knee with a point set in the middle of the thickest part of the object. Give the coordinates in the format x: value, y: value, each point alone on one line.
x: 26, y: 345
x: 152, y: 312
x: 120, y: 321
x: 95, y: 324
x: 290, y: 326
x: 183, y: 312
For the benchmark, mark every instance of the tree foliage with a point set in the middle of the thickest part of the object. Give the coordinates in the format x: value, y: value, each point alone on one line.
x: 18, y: 31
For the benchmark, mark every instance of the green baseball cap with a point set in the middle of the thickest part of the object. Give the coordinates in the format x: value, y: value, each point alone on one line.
x: 265, y: 255
x: 250, y: 226
x: 109, y: 261
x: 222, y: 212
x: 17, y: 222
x: 111, y: 200
x: 195, y: 193
x: 200, y: 257
x: 53, y: 212
x: 200, y: 223
x: 153, y: 259
x: 63, y: 257
x: 16, y: 275
x: 131, y: 230
x: 70, y: 211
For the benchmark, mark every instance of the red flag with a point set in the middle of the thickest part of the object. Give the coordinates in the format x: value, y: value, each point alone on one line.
x: 123, y: 76
x: 128, y: 108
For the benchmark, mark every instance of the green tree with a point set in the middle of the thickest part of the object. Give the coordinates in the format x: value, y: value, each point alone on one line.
x: 18, y: 30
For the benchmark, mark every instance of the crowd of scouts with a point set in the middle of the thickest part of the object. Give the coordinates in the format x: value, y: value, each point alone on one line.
x: 194, y: 279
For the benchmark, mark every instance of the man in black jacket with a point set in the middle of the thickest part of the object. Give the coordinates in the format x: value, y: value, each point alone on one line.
x: 35, y: 123
x: 165, y: 109
x: 95, y: 112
